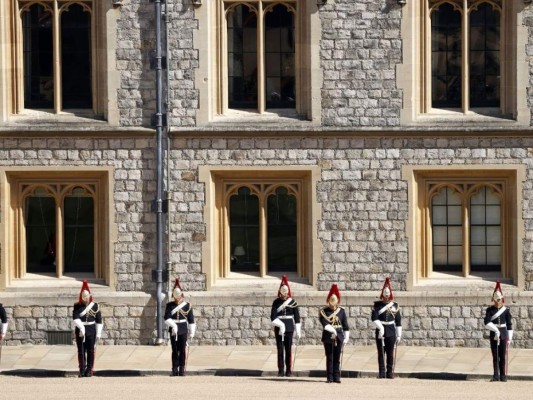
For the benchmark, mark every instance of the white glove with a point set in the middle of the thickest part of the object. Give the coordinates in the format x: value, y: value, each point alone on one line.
x: 491, y: 327
x: 278, y: 323
x: 99, y: 328
x: 377, y: 323
x: 346, y: 337
x: 171, y: 324
x: 298, y: 330
x: 510, y: 336
x: 330, y: 329
x: 398, y: 334
x: 77, y: 322
x: 3, y: 331
x: 192, y: 330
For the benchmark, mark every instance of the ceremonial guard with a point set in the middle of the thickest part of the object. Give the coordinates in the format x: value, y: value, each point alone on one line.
x: 387, y: 320
x: 88, y: 322
x: 498, y: 321
x: 335, y: 334
x: 180, y: 321
x: 3, y: 323
x: 285, y: 318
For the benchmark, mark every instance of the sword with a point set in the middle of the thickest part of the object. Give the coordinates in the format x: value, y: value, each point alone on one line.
x: 1, y: 345
x: 497, y: 338
x: 342, y: 356
x: 383, y: 353
x: 507, y: 344
x: 394, y: 361
x: 186, y: 354
x: 293, y: 354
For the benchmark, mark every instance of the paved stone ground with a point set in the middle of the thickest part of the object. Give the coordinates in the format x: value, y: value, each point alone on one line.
x: 216, y: 387
x: 358, y: 361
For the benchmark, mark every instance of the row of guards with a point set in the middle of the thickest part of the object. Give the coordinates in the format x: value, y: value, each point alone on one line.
x: 285, y: 316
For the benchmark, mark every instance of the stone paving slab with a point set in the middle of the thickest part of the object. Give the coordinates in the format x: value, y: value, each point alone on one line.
x: 358, y: 361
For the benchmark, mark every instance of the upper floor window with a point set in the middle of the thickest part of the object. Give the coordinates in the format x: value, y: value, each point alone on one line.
x: 465, y: 42
x: 56, y: 58
x: 464, y: 58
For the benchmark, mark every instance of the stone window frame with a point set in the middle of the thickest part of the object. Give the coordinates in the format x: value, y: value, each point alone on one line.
x: 419, y: 178
x: 215, y: 249
x: 16, y: 183
x: 211, y: 76
x: 414, y: 75
x: 103, y: 46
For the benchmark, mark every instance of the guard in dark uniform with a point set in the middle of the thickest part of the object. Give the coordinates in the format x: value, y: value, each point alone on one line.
x: 180, y: 321
x: 285, y: 318
x: 88, y: 322
x: 335, y: 334
x: 387, y: 320
x: 3, y: 323
x: 499, y: 321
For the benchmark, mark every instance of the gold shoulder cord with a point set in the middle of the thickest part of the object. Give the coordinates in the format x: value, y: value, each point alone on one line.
x: 293, y: 305
x: 333, y: 319
x: 93, y: 313
x: 185, y: 313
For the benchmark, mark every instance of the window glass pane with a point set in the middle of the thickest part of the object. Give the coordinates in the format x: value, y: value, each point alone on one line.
x: 282, y: 235
x: 455, y: 255
x: 455, y: 235
x: 493, y: 215
x: 38, y: 58
x: 491, y: 197
x: 478, y: 255
x: 477, y: 215
x: 484, y: 43
x: 242, y: 58
x: 76, y: 57
x: 477, y: 235
x: 440, y: 235
x: 279, y: 57
x: 439, y: 197
x: 39, y: 218
x: 439, y: 215
x: 446, y: 56
x: 494, y: 256
x: 244, y: 231
x: 454, y: 215
x: 79, y: 234
x: 440, y: 255
x: 494, y: 235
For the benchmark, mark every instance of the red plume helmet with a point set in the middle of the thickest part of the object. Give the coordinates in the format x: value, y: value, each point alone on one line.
x: 334, y: 291
x: 285, y: 282
x: 498, y: 288
x: 85, y: 286
x: 387, y: 285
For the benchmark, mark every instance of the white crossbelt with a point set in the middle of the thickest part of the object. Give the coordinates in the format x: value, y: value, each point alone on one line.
x: 387, y: 322
x: 89, y: 323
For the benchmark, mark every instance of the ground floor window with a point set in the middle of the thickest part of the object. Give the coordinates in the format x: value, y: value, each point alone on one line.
x: 465, y: 223
x: 264, y: 223
x: 59, y: 224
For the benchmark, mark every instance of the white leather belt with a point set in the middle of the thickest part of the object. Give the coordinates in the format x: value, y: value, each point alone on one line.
x: 89, y: 323
x: 501, y: 325
x: 286, y: 317
x: 387, y: 322
x: 181, y: 321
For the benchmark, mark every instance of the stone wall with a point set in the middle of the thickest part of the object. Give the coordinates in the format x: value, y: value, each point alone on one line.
x: 428, y: 319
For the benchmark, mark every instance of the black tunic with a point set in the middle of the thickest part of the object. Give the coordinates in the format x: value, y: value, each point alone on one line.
x: 503, y: 322
x: 183, y: 317
x: 391, y: 314
x: 335, y: 318
x: 289, y: 315
x: 92, y: 316
x: 3, y: 315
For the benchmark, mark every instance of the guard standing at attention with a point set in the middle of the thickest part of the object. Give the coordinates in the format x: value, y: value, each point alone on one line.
x: 499, y: 321
x: 335, y: 333
x: 180, y: 321
x: 387, y: 320
x: 285, y: 318
x: 88, y: 322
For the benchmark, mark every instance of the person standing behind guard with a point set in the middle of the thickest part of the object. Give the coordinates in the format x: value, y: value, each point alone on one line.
x: 179, y: 318
x: 387, y: 320
x: 88, y: 321
x: 499, y: 321
x: 335, y: 333
x: 285, y: 318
